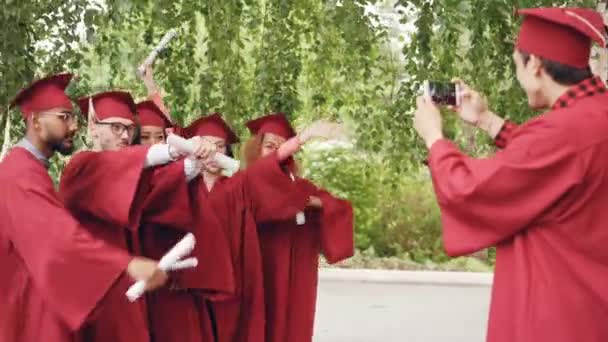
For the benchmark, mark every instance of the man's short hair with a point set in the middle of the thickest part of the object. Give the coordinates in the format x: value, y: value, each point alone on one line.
x: 561, y: 73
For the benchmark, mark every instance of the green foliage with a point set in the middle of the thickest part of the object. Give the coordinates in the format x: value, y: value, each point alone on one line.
x: 472, y: 40
x: 38, y: 38
x: 308, y: 58
x: 393, y: 215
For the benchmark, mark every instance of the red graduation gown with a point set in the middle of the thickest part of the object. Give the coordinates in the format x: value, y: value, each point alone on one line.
x: 290, y: 255
x: 102, y: 190
x: 175, y: 313
x: 54, y: 273
x: 541, y: 202
x: 261, y: 193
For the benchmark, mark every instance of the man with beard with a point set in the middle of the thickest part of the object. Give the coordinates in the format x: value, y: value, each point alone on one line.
x: 50, y: 289
x: 116, y: 188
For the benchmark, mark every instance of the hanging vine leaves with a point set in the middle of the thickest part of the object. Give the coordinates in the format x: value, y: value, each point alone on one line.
x: 311, y: 59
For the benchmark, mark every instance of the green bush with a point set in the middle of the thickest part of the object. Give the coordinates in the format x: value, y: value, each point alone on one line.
x: 395, y: 214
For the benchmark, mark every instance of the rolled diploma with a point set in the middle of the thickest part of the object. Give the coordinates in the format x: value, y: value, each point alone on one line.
x: 185, y: 146
x: 154, y: 53
x: 180, y: 250
x: 183, y: 264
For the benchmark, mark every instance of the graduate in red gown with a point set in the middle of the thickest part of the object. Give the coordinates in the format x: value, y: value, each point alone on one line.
x: 261, y: 193
x: 290, y: 247
x: 54, y: 273
x: 174, y: 312
x: 153, y: 123
x: 264, y: 193
x: 540, y: 200
x: 108, y: 189
x: 155, y: 95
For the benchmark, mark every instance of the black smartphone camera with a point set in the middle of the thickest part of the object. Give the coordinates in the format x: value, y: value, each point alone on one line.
x: 442, y: 93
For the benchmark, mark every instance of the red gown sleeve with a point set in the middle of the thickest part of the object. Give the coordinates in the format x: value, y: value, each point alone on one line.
x: 271, y: 193
x: 167, y: 202
x: 104, y: 185
x: 336, y: 228
x: 70, y: 269
x: 485, y: 201
x: 505, y: 135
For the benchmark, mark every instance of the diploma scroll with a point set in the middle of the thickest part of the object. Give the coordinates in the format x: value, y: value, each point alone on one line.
x: 180, y: 250
x: 154, y: 53
x: 226, y: 163
x: 184, y: 264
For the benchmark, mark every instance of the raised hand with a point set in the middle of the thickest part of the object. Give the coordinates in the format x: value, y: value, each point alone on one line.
x: 323, y: 129
x: 473, y: 109
x: 427, y: 121
x: 473, y: 106
x: 203, y: 148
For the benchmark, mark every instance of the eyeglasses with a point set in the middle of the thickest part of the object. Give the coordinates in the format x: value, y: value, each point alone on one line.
x: 67, y: 117
x: 119, y: 128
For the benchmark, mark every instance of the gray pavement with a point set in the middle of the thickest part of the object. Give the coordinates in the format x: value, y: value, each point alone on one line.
x: 402, y: 306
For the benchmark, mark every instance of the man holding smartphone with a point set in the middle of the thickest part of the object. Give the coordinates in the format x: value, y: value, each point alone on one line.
x: 541, y: 199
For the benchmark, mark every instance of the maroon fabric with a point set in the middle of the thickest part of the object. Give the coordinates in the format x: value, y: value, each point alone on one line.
x: 109, y: 104
x: 174, y: 312
x: 573, y: 28
x: 290, y: 254
x: 540, y: 201
x: 250, y: 196
x: 506, y: 133
x: 177, y: 315
x: 212, y: 125
x: 44, y: 94
x: 589, y: 87
x: 240, y: 317
x: 275, y: 123
x: 149, y: 114
x: 48, y: 289
x: 105, y: 192
x: 336, y: 228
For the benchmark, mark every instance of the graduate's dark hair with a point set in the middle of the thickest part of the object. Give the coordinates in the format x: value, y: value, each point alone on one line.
x: 136, y: 140
x: 229, y: 151
x: 561, y: 73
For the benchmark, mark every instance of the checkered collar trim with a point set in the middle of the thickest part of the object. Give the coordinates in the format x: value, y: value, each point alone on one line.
x: 588, y: 87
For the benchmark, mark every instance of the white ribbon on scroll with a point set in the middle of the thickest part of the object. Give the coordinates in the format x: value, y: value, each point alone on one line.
x: 228, y: 164
x: 154, y: 53
x: 180, y: 250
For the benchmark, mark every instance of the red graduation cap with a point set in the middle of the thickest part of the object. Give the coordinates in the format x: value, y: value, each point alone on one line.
x: 212, y: 125
x: 44, y: 94
x: 110, y: 104
x: 150, y: 115
x: 275, y: 123
x: 563, y: 35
